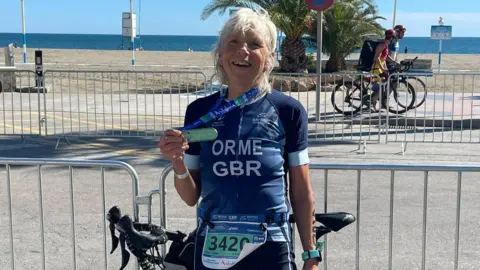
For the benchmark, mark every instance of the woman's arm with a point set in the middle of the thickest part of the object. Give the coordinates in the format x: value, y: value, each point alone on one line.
x: 378, y: 51
x: 173, y: 146
x: 303, y: 205
x: 187, y: 188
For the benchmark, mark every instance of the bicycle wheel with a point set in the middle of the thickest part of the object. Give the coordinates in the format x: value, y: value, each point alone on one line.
x: 420, y: 90
x: 400, y: 107
x: 347, y: 95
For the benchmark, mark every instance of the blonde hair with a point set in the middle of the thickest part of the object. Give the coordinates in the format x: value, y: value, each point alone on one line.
x: 243, y: 20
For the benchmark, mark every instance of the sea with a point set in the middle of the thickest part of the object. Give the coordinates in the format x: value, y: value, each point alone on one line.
x: 457, y: 45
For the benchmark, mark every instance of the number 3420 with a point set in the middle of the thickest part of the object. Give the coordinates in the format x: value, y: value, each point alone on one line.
x: 234, y: 243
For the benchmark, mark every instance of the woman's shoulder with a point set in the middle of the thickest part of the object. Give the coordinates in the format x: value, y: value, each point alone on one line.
x: 282, y: 101
x: 203, y: 103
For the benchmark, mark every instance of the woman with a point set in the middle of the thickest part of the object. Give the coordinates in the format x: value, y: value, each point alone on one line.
x: 242, y: 175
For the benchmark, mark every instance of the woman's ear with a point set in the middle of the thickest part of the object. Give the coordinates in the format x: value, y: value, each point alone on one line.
x: 220, y: 61
x: 267, y: 65
x: 269, y: 62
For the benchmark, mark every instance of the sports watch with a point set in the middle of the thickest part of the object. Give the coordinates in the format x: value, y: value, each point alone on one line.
x: 310, y: 254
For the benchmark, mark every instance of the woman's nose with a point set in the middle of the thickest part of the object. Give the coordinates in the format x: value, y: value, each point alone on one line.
x: 243, y: 50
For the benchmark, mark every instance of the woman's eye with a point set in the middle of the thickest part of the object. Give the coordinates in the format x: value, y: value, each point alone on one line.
x: 255, y: 45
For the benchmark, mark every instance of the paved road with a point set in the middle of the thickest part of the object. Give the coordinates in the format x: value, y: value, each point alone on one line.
x: 340, y: 137
x: 342, y: 196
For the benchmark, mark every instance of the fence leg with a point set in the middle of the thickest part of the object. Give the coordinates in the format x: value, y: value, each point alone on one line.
x: 58, y: 142
x: 364, y: 146
x: 24, y: 139
x: 404, y: 147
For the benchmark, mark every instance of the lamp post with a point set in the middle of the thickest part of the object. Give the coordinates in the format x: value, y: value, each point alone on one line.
x: 394, y: 13
x: 132, y: 36
x: 24, y: 36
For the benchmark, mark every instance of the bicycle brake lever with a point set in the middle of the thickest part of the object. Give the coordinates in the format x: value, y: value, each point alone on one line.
x: 125, y: 253
x: 113, y: 216
x: 115, y: 239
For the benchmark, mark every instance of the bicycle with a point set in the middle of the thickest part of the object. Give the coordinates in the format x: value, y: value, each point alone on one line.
x: 403, y: 79
x: 362, y: 92
x: 180, y: 256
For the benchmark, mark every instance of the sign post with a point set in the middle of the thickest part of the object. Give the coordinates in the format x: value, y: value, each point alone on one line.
x: 319, y: 6
x: 39, y: 69
x: 9, y: 56
x: 132, y: 33
x: 440, y: 32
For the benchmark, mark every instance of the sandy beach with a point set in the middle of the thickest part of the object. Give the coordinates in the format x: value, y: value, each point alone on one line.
x: 202, y: 62
x: 56, y: 58
x: 159, y: 71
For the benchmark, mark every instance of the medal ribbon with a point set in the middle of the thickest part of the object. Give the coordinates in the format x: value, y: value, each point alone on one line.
x: 216, y: 111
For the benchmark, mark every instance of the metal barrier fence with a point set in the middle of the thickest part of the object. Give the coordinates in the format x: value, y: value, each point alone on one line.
x: 384, y: 201
x: 81, y: 214
x: 332, y: 108
x: 144, y: 103
x: 445, y: 108
x: 20, y: 103
x: 118, y: 103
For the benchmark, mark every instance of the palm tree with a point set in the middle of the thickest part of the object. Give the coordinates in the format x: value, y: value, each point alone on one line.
x: 345, y: 25
x: 292, y: 17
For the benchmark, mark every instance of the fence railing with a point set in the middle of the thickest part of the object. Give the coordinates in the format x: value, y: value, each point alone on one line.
x: 419, y: 107
x: 407, y: 216
x: 395, y: 226
x: 66, y: 193
x: 20, y: 103
x: 118, y: 103
x: 445, y: 108
x: 333, y: 103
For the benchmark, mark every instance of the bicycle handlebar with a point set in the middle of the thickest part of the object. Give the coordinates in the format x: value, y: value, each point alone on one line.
x: 406, y: 64
x: 138, y: 243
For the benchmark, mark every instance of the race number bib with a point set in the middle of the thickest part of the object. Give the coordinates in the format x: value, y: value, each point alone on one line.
x: 229, y: 242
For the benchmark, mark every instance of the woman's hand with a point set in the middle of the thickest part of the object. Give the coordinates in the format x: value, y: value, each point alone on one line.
x: 172, y: 145
x: 311, y: 264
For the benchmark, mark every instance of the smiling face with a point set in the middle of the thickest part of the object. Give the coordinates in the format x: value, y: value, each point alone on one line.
x: 243, y: 57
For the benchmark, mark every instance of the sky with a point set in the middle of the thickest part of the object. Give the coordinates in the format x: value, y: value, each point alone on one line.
x: 182, y: 17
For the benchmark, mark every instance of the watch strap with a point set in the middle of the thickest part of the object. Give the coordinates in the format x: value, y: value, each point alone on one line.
x: 314, y: 253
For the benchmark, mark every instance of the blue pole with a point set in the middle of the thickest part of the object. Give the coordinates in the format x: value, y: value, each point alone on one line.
x: 24, y: 48
x: 133, y: 52
x: 439, y: 55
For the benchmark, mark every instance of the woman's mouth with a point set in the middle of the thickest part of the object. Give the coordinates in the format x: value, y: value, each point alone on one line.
x: 241, y: 64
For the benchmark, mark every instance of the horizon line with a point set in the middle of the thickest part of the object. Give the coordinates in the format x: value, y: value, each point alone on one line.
x: 189, y: 35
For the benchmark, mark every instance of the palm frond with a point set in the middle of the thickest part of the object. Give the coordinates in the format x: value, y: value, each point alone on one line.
x: 222, y: 5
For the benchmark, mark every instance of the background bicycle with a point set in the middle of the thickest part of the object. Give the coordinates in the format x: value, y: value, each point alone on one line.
x: 351, y: 97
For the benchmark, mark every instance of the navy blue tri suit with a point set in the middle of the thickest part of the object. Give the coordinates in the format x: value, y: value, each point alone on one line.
x: 244, y: 171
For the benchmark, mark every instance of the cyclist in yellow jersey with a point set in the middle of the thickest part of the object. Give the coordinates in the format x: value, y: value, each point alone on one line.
x: 379, y: 66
